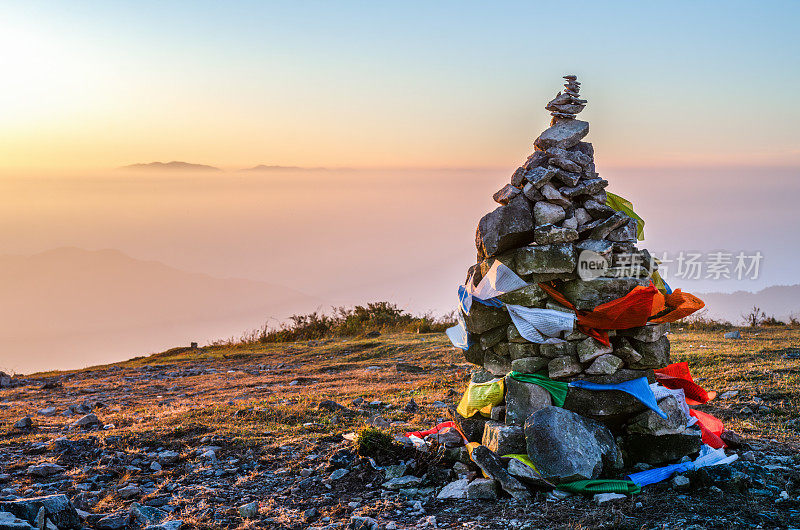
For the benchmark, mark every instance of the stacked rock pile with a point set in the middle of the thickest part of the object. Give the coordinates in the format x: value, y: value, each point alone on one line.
x: 554, y: 226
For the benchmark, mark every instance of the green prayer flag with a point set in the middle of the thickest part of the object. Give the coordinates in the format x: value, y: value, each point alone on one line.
x: 557, y: 389
x: 601, y: 486
x: 625, y: 206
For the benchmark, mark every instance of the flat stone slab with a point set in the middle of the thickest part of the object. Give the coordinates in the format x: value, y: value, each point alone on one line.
x: 563, y: 133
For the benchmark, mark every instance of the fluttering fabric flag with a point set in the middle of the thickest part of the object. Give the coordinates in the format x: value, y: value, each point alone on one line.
x: 630, y: 311
x: 458, y: 334
x: 534, y: 324
x: 481, y: 397
x: 710, y: 427
x: 708, y: 457
x: 498, y: 280
x: 660, y: 284
x: 625, y: 206
x: 638, y: 388
x: 640, y: 306
x: 557, y: 389
x: 447, y: 428
x: 660, y: 392
x: 541, y: 326
x: 678, y: 305
x: 627, y: 487
x: 677, y: 375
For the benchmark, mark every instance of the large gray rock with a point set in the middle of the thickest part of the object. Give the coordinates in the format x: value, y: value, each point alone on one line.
x: 536, y: 159
x: 454, y: 490
x: 87, y: 422
x: 654, y: 354
x: 506, y: 193
x: 648, y: 333
x: 532, y: 193
x: 545, y: 259
x: 568, y: 178
x: 539, y: 176
x: 606, y: 364
x: 482, y: 318
x: 545, y: 213
x: 525, y: 473
x: 588, y: 294
x: 529, y: 296
x: 492, y: 468
x: 598, y: 210
x: 562, y: 367
x: 590, y: 348
x: 566, y: 164
x: 552, y: 194
x: 57, y: 508
x: 602, y: 230
x: 482, y: 489
x: 496, y: 364
x: 582, y: 216
x: 492, y: 337
x: 503, y: 439
x: 611, y: 407
x: 559, y: 349
x: 657, y: 450
x: 8, y: 521
x: 523, y: 399
x: 554, y: 234
x: 563, y: 133
x: 576, y: 155
x: 624, y: 350
x: 627, y: 232
x: 522, y: 350
x: 45, y: 469
x: 475, y: 354
x: 570, y: 222
x: 565, y: 446
x: 586, y: 187
x: 648, y: 422
x: 598, y: 246
x: 508, y: 226
x: 529, y: 365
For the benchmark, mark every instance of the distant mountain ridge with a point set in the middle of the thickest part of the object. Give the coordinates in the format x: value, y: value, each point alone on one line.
x: 171, y: 166
x: 779, y: 301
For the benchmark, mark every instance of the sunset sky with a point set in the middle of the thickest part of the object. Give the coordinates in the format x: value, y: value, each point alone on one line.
x: 419, y: 111
x: 94, y: 85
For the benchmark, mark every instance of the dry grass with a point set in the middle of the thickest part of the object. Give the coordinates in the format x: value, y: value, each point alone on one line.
x: 242, y: 397
x: 251, y: 397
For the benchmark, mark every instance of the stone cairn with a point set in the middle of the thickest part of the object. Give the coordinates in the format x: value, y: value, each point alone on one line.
x: 554, y: 209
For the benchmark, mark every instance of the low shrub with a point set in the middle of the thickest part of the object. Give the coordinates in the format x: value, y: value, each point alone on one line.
x: 350, y: 322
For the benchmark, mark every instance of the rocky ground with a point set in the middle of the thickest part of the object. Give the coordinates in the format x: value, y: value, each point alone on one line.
x: 252, y: 436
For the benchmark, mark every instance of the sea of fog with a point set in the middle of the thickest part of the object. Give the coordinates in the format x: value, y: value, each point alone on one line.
x: 352, y: 236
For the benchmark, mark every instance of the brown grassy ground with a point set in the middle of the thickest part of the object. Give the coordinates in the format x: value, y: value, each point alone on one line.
x: 258, y: 402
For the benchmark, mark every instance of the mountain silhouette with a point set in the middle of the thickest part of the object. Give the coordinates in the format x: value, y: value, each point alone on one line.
x: 780, y: 301
x: 170, y: 166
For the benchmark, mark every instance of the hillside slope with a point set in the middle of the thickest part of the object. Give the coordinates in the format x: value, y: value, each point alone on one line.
x: 200, y: 433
